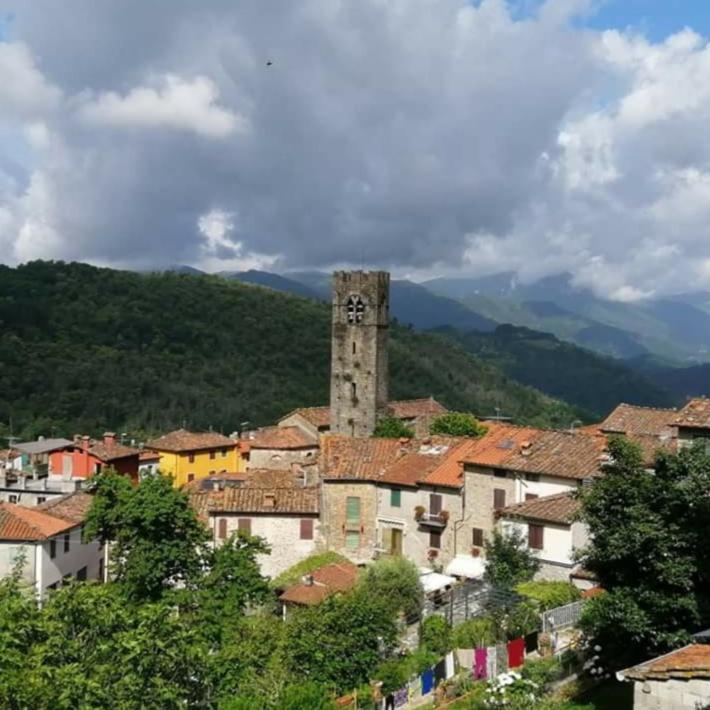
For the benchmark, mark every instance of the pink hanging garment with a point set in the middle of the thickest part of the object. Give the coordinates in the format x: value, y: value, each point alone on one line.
x: 480, y: 663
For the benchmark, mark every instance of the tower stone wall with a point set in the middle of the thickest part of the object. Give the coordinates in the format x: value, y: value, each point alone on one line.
x: 359, y: 364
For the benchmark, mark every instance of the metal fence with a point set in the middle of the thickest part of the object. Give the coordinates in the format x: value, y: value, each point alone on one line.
x: 562, y: 617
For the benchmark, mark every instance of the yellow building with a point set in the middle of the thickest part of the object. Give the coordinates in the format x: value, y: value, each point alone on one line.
x: 189, y: 456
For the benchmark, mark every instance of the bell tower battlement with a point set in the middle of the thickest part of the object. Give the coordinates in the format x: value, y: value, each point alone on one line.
x: 359, y: 364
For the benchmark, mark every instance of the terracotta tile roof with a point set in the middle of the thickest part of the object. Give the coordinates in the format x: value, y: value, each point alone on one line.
x: 253, y: 478
x: 650, y: 445
x: 559, y: 453
x: 449, y: 472
x: 592, y: 592
x: 278, y: 437
x: 149, y: 456
x: 691, y: 661
x: 559, y: 508
x: 402, y: 409
x: 366, y: 459
x: 646, y: 421
x: 182, y: 440
x: 411, y: 469
x: 305, y: 501
x: 695, y: 414
x: 28, y: 524
x: 327, y: 580
x: 499, y: 443
x: 112, y: 451
x: 71, y: 508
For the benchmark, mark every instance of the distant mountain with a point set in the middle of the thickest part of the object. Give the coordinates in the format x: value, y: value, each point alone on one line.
x: 273, y: 281
x: 677, y: 328
x: 593, y: 382
x: 185, y: 269
x: 682, y: 382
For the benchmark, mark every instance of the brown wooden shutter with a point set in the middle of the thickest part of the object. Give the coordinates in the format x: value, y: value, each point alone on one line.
x: 435, y: 539
x: 306, y: 529
x: 434, y: 503
x: 477, y: 537
x: 498, y: 498
x: 245, y: 525
x: 535, y: 536
x: 222, y: 531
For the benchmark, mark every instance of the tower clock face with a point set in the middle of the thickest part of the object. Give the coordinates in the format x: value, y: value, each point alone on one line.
x: 355, y: 309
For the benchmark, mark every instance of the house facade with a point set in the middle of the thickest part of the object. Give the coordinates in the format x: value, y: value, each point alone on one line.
x: 693, y: 422
x: 281, y: 447
x: 187, y: 456
x: 48, y: 540
x: 85, y: 457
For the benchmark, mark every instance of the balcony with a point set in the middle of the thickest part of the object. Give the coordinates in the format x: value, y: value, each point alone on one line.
x: 431, y: 520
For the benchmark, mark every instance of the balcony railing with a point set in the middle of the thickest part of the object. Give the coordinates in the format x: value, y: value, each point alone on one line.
x: 433, y: 520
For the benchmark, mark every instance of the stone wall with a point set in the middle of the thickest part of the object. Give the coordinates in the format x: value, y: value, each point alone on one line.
x: 674, y: 694
x: 281, y: 459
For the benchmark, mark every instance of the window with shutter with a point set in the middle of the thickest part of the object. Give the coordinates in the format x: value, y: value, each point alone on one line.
x: 498, y: 498
x: 477, y: 537
x: 244, y: 525
x: 352, y: 510
x: 434, y: 503
x: 352, y: 540
x: 535, y: 536
x: 222, y: 531
x: 306, y: 529
x: 435, y: 539
x: 396, y: 498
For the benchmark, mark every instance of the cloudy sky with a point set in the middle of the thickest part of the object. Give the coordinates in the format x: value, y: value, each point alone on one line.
x: 425, y: 136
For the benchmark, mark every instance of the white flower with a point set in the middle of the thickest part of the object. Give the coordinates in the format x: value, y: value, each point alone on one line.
x: 597, y: 648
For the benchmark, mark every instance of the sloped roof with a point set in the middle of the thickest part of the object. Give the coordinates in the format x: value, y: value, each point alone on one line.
x: 560, y: 453
x: 359, y: 458
x: 112, y: 451
x: 183, y: 440
x: 692, y: 661
x: 18, y: 523
x: 645, y: 421
x: 317, y: 416
x: 695, y: 414
x: 305, y: 501
x: 559, y: 508
x: 500, y: 442
x: 71, y: 508
x: 281, y: 437
x: 411, y: 469
x: 42, y: 446
x: 449, y: 472
x: 327, y: 580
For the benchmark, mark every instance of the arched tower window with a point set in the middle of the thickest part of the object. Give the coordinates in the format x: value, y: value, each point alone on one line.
x: 356, y: 309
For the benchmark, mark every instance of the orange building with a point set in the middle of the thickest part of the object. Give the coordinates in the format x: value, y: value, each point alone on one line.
x: 86, y: 457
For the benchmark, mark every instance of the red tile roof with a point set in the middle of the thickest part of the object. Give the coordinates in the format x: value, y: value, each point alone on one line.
x: 327, y: 580
x: 449, y: 472
x: 366, y: 459
x: 559, y: 508
x: 112, y: 451
x: 695, y: 414
x: 411, y: 469
x: 317, y: 416
x: 182, y: 440
x: 646, y: 421
x: 71, y: 508
x: 281, y: 437
x: 277, y: 501
x: 18, y: 523
x: 691, y: 661
x: 499, y: 443
x: 149, y: 456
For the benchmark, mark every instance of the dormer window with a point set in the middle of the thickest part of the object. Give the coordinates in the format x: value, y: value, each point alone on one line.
x: 355, y: 309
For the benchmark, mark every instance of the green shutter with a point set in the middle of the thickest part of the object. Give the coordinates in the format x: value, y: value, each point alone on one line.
x: 396, y: 498
x: 352, y: 510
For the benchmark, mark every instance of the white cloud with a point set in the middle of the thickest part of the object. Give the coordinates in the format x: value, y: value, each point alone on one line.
x: 182, y: 104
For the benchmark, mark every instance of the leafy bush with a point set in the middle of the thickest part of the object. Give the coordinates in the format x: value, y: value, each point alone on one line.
x: 436, y: 635
x: 457, y: 424
x: 549, y: 594
x: 392, y: 428
x: 542, y: 671
x: 395, y: 672
x: 396, y: 581
x: 474, y: 633
x: 508, y: 560
x: 293, y: 574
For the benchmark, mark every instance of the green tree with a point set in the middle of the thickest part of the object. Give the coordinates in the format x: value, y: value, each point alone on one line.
x: 648, y: 549
x: 339, y: 642
x: 396, y: 581
x: 509, y: 561
x: 435, y: 635
x: 159, y: 541
x: 111, y: 491
x: 392, y: 428
x: 549, y: 594
x: 457, y: 424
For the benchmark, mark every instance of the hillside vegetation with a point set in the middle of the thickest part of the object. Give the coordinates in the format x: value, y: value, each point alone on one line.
x: 85, y: 349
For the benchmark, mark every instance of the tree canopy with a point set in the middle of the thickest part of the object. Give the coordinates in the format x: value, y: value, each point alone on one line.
x: 509, y: 561
x: 392, y: 428
x: 457, y: 424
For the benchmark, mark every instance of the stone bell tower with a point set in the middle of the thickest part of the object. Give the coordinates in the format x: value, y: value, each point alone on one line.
x: 358, y: 374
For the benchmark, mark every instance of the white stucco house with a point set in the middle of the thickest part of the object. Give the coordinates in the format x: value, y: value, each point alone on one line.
x: 48, y: 538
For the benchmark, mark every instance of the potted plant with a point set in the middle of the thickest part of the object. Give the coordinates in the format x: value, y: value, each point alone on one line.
x: 419, y: 512
x: 444, y: 516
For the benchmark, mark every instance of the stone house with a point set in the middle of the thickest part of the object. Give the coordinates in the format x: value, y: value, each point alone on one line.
x: 287, y: 518
x: 679, y: 680
x: 693, y: 422
x: 516, y: 464
x: 321, y: 583
x: 548, y: 525
x: 281, y: 447
x: 48, y: 538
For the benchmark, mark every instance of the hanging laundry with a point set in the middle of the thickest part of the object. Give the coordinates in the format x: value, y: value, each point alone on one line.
x: 480, y: 663
x: 491, y: 668
x: 450, y: 668
x: 516, y: 653
x: 389, y: 702
x: 440, y: 672
x: 531, y: 642
x: 501, y: 658
x: 415, y: 687
x: 427, y: 681
x: 401, y: 697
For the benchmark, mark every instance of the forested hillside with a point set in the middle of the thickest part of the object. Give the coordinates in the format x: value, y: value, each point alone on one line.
x: 84, y: 349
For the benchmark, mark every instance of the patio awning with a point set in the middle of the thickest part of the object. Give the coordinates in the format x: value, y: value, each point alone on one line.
x: 433, y: 581
x: 467, y: 566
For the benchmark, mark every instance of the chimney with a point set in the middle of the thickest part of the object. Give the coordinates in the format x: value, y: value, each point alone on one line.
x: 109, y: 438
x: 85, y: 442
x: 308, y: 580
x: 269, y: 500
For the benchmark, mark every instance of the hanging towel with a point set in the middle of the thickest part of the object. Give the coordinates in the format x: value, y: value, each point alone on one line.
x: 531, y: 642
x: 401, y: 697
x: 415, y: 687
x: 516, y: 652
x: 465, y: 658
x: 450, y: 668
x: 389, y: 702
x: 440, y: 671
x: 481, y: 662
x: 491, y: 669
x: 427, y: 681
x: 501, y: 658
